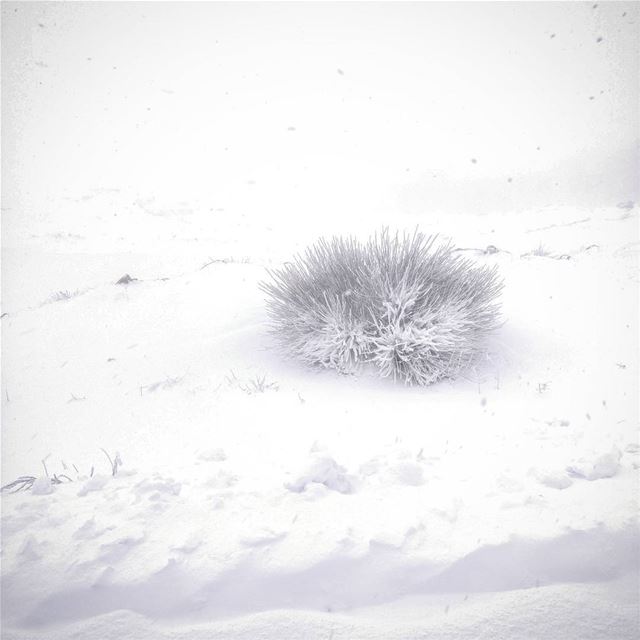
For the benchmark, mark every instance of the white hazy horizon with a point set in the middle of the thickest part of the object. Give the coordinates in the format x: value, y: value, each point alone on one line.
x: 322, y: 108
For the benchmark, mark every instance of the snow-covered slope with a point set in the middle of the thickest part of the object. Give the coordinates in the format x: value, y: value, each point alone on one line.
x: 251, y: 485
x: 193, y: 147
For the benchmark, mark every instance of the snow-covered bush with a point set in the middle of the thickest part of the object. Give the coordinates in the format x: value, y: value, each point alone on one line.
x: 417, y: 311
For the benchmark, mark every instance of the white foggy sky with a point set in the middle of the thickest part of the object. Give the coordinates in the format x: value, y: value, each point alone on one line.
x: 197, y: 97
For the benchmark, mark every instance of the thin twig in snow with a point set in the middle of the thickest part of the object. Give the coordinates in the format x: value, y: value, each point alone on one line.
x: 552, y: 226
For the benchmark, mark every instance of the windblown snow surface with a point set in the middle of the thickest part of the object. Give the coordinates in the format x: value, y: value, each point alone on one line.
x: 193, y: 146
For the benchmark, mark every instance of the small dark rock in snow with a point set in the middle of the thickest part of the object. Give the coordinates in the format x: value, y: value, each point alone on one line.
x: 126, y: 279
x: 553, y: 35
x: 474, y: 161
x: 599, y: 39
x: 341, y: 72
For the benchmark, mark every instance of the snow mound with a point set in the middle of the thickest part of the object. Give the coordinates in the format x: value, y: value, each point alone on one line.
x: 323, y: 470
x: 606, y: 465
x: 398, y: 467
x: 95, y: 483
x: 42, y: 486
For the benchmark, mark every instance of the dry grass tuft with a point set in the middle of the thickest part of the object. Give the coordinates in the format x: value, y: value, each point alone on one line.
x: 417, y: 311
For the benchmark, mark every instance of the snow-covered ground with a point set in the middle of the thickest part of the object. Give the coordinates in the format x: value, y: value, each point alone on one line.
x: 192, y: 146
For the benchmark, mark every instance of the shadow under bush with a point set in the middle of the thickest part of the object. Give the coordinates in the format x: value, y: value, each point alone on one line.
x: 417, y: 311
